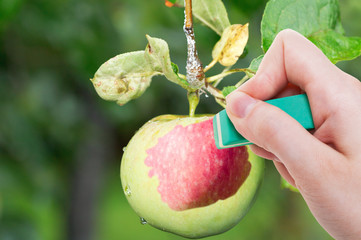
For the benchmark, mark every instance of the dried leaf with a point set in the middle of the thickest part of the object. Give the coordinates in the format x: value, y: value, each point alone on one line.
x: 124, y: 77
x: 231, y: 45
x: 157, y: 55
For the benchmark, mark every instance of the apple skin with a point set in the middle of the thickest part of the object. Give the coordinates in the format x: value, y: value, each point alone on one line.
x: 175, y: 178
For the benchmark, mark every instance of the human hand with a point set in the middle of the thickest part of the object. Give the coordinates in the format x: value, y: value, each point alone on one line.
x: 324, y: 164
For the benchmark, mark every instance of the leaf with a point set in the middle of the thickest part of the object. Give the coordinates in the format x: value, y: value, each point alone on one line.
x: 124, y: 77
x: 157, y: 55
x: 287, y: 185
x: 336, y: 46
x: 175, y: 68
x: 227, y: 90
x: 179, y: 3
x: 318, y: 20
x: 212, y: 13
x: 305, y: 17
x: 231, y: 45
x: 253, y: 67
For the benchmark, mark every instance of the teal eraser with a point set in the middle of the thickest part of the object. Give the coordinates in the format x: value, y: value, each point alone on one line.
x: 226, y: 136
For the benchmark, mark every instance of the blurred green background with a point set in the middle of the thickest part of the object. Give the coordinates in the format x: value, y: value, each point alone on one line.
x: 61, y: 145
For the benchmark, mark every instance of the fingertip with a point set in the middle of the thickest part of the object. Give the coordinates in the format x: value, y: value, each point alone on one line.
x: 239, y: 104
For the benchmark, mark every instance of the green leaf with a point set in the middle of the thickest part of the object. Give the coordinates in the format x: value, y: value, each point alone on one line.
x: 179, y: 2
x: 336, y: 46
x: 318, y: 20
x: 174, y: 3
x: 253, y: 67
x: 124, y: 77
x: 175, y: 68
x: 305, y: 17
x: 287, y: 185
x: 157, y: 55
x: 231, y: 45
x: 227, y: 90
x: 212, y: 13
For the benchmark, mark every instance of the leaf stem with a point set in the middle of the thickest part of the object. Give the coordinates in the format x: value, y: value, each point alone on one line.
x: 210, y: 65
x: 215, y: 84
x: 243, y: 80
x: 217, y: 94
x: 226, y: 73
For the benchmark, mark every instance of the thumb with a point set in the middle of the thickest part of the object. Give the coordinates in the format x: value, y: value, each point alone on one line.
x: 275, y: 131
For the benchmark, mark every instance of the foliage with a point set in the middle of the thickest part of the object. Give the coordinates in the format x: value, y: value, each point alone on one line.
x: 231, y: 45
x: 318, y: 20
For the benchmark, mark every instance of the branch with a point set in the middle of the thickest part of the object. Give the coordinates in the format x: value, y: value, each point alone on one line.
x: 195, y: 74
x: 188, y: 14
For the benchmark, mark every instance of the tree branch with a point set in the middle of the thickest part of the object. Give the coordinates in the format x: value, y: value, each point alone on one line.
x: 188, y: 14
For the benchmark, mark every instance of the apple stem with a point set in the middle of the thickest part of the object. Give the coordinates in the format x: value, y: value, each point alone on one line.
x: 193, y: 99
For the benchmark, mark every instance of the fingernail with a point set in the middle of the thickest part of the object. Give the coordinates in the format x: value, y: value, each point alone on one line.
x: 240, y: 104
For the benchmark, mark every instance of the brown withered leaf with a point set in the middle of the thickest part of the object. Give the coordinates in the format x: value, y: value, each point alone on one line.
x: 231, y: 45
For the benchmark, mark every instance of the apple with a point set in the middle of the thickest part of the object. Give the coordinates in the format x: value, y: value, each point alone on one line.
x: 176, y: 179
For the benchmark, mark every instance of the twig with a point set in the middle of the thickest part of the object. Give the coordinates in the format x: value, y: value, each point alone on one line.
x: 195, y: 74
x: 188, y: 14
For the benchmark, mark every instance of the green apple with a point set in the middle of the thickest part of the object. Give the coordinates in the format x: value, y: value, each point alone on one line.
x: 176, y: 179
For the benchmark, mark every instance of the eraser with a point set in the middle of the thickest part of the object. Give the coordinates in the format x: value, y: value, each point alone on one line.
x: 226, y: 136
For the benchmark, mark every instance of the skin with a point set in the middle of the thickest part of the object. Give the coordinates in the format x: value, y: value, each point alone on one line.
x: 324, y: 164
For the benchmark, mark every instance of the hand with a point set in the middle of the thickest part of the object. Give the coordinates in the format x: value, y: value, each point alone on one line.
x: 325, y: 164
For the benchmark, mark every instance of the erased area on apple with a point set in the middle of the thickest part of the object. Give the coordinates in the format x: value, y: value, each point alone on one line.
x: 196, y: 173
